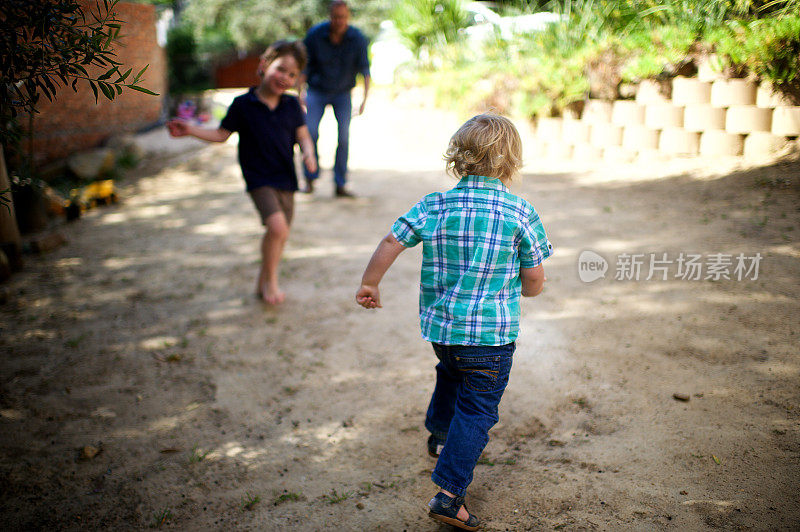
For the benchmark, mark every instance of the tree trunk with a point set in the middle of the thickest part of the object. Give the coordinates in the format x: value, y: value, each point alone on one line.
x: 10, y: 241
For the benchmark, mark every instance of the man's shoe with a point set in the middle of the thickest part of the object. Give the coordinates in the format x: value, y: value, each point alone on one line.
x: 342, y: 192
x: 445, y: 509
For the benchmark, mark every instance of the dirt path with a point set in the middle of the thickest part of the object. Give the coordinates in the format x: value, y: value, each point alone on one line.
x: 141, y: 337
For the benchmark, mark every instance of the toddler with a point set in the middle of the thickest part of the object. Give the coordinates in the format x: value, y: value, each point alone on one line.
x: 482, y: 247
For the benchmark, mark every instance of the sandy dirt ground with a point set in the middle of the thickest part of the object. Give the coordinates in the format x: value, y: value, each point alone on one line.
x: 141, y: 338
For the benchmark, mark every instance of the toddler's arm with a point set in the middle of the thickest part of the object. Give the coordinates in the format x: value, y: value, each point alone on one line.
x: 532, y: 280
x: 368, y: 295
x: 181, y: 128
x: 307, y: 147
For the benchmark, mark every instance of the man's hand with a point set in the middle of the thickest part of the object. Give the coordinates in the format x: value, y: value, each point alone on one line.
x: 360, y: 110
x: 368, y: 297
x: 367, y: 82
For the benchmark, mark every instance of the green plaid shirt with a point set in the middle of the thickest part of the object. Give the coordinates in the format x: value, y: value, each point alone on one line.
x: 475, y: 238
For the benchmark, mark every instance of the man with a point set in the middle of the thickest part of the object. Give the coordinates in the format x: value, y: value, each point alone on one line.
x: 337, y: 52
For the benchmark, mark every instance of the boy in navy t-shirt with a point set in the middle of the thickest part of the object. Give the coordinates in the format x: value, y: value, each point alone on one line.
x: 269, y: 123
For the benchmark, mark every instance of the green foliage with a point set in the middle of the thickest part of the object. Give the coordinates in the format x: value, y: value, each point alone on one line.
x: 336, y: 498
x: 554, y: 69
x: 429, y: 23
x: 768, y: 47
x: 696, y: 15
x: 583, y: 22
x: 251, y: 23
x: 630, y: 40
x: 250, y: 500
x: 187, y: 72
x: 287, y: 497
x: 161, y: 517
x: 647, y: 54
x: 197, y: 455
x: 222, y: 26
x: 46, y: 45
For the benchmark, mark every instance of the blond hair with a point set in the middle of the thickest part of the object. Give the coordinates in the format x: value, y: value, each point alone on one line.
x: 278, y: 49
x: 487, y: 145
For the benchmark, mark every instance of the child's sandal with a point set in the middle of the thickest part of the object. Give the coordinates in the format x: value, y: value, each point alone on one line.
x: 445, y: 509
x: 435, y: 446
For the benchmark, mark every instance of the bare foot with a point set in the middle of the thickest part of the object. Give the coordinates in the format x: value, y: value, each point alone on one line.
x: 272, y: 295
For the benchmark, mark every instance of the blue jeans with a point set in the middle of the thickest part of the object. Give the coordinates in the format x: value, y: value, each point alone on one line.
x: 316, y: 102
x: 470, y: 381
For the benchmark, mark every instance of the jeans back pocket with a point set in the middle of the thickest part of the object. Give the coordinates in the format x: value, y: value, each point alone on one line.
x: 481, y: 374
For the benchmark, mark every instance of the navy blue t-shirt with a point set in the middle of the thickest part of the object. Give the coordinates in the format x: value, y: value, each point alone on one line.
x: 332, y: 68
x: 266, y: 139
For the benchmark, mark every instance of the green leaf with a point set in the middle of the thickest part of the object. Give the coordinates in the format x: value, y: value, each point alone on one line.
x: 94, y: 90
x: 51, y: 88
x: 124, y: 76
x: 6, y: 201
x: 108, y: 74
x: 79, y: 67
x: 142, y: 89
x: 139, y: 75
x: 107, y: 91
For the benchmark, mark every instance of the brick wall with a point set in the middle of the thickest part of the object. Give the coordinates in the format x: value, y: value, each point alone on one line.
x: 74, y: 121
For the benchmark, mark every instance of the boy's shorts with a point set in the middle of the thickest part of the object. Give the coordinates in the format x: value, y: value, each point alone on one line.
x: 270, y: 200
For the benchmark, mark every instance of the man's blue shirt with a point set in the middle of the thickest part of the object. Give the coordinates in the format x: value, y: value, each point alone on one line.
x: 332, y: 68
x: 266, y: 139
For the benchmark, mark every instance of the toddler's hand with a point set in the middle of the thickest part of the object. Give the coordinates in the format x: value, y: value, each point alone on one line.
x: 368, y: 297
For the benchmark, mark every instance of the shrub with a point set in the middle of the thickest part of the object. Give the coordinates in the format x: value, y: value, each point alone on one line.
x: 429, y: 23
x: 769, y: 47
x: 186, y: 72
x: 607, y: 43
x: 649, y: 53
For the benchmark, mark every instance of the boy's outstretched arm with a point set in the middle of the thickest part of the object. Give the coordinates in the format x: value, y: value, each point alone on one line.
x: 307, y: 148
x: 532, y: 280
x: 368, y: 295
x: 181, y: 128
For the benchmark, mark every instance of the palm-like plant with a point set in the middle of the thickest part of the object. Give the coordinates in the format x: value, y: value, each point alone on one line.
x: 429, y: 23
